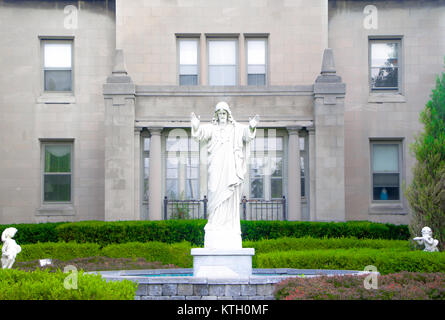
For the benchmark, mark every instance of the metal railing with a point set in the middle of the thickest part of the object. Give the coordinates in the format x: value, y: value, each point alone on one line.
x: 258, y: 209
x: 253, y: 209
x: 185, y: 209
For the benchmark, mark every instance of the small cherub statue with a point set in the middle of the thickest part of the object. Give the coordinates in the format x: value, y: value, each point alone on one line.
x: 427, y: 240
x: 10, y: 248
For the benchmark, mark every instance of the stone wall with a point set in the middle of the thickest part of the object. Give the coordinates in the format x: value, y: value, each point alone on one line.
x: 27, y: 115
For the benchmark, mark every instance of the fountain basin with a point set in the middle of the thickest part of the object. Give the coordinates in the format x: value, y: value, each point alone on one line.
x: 180, y: 284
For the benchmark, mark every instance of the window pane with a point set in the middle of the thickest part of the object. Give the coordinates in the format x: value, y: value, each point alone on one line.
x: 188, y: 69
x: 256, y: 52
x: 276, y: 167
x: 256, y: 188
x: 303, y: 187
x: 146, y: 144
x: 384, y: 77
x: 277, y: 188
x: 385, y: 158
x: 58, y: 80
x: 58, y: 158
x: 386, y: 193
x: 222, y: 75
x: 384, y: 54
x: 256, y: 69
x: 57, y: 188
x: 188, y: 80
x: 386, y: 179
x: 222, y: 52
x: 188, y: 52
x: 57, y: 55
x: 172, y: 188
x: 256, y: 79
x: 192, y: 189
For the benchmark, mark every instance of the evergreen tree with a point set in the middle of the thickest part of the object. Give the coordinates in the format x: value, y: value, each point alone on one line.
x: 426, y: 194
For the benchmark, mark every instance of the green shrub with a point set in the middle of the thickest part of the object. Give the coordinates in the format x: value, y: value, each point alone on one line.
x: 174, y: 253
x: 309, y: 243
x: 61, y: 250
x: 386, y: 261
x: 34, y: 232
x: 104, y: 233
x: 398, y: 286
x: 256, y: 230
x: 45, y: 285
x: 171, y: 231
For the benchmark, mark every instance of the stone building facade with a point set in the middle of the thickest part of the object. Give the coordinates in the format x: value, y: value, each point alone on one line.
x: 96, y: 99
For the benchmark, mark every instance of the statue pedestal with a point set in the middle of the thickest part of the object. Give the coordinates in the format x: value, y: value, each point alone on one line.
x: 222, y: 263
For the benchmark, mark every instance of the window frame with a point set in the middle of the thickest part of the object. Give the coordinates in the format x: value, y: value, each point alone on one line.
x: 237, y: 60
x: 399, y: 143
x: 400, y: 67
x: 196, y: 38
x: 267, y: 179
x: 190, y: 154
x: 248, y: 38
x: 45, y: 40
x: 44, y: 143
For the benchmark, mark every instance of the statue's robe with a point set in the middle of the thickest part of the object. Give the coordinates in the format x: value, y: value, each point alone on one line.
x: 226, y: 171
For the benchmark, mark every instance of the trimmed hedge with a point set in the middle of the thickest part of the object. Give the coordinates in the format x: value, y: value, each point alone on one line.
x: 45, y: 285
x: 104, y: 233
x: 309, y: 243
x: 175, y: 253
x: 386, y: 261
x: 171, y: 231
x: 34, y: 232
x: 60, y: 250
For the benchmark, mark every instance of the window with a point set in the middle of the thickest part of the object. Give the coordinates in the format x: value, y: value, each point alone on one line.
x: 182, y: 166
x: 256, y: 62
x: 146, y: 159
x: 188, y: 62
x: 385, y: 64
x: 222, y: 57
x: 57, y: 65
x: 266, y: 166
x: 57, y: 172
x: 385, y: 164
x: 303, y: 157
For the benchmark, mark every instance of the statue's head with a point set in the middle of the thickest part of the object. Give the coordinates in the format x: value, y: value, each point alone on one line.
x: 222, y: 113
x: 427, y: 231
x: 8, y: 233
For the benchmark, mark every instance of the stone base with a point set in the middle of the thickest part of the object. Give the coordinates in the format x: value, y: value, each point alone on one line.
x: 218, y: 264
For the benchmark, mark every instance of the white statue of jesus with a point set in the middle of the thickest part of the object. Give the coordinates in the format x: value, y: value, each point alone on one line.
x: 226, y: 171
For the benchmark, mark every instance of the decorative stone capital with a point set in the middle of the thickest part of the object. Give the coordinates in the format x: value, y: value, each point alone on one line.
x: 155, y: 131
x: 293, y: 130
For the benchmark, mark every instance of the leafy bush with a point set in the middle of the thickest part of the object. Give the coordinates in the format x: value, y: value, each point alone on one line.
x: 61, y: 251
x: 175, y: 253
x: 171, y: 231
x: 386, y: 261
x: 256, y: 230
x: 45, y: 285
x: 309, y: 243
x: 104, y: 233
x: 426, y: 194
x: 398, y: 286
x: 34, y: 232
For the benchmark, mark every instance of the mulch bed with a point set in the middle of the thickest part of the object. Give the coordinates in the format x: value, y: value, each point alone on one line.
x: 94, y: 264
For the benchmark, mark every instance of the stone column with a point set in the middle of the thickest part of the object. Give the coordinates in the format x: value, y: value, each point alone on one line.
x: 155, y: 201
x: 329, y: 92
x: 311, y: 171
x: 293, y: 175
x: 138, y: 187
x: 119, y: 95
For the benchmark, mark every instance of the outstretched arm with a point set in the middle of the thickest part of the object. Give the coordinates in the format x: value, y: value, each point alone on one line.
x: 199, y: 132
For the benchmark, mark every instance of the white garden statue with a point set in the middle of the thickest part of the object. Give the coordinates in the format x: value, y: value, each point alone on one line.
x: 226, y: 142
x: 427, y: 240
x: 10, y: 248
